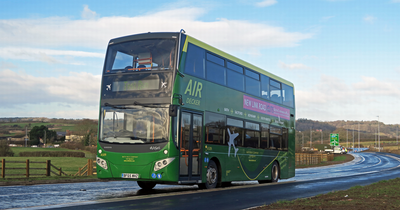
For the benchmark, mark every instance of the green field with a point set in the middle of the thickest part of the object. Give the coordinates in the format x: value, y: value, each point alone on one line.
x: 17, y: 150
x: 22, y: 125
x: 57, y: 126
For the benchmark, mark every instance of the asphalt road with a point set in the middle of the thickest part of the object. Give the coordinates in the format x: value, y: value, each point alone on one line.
x: 365, y: 169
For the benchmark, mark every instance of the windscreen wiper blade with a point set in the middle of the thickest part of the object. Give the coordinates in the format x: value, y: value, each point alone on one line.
x: 146, y: 105
x: 115, y: 106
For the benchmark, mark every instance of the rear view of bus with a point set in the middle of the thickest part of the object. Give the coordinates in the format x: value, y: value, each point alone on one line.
x: 134, y: 122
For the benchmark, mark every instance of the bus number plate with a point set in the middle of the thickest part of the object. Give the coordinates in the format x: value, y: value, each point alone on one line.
x: 130, y: 176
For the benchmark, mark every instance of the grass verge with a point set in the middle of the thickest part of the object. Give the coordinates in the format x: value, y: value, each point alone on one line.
x: 380, y: 195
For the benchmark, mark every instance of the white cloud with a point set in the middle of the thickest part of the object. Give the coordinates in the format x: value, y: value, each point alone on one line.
x: 293, y: 66
x: 52, y: 110
x: 7, y: 65
x: 44, y: 55
x: 333, y: 99
x: 22, y: 88
x: 87, y: 13
x: 373, y: 87
x: 266, y: 3
x: 396, y: 1
x: 95, y: 33
x: 369, y: 19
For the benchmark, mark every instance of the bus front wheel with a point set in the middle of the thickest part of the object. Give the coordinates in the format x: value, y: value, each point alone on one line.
x: 212, y: 175
x: 146, y: 185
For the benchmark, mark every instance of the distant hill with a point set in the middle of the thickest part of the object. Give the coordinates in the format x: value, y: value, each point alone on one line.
x: 368, y: 130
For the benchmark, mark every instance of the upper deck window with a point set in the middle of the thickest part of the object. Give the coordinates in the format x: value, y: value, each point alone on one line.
x: 288, y: 97
x: 141, y: 55
x: 195, y: 61
x: 215, y: 59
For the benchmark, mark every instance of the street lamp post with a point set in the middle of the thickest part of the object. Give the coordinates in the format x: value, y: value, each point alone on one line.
x: 347, y: 137
x: 379, y: 136
x: 353, y: 140
x: 310, y: 138
x: 358, y: 136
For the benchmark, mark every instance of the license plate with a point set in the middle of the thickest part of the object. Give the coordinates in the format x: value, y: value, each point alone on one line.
x: 130, y: 176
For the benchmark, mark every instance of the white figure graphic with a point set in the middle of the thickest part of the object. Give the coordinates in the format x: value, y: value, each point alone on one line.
x: 231, y: 142
x: 108, y: 87
x: 163, y: 84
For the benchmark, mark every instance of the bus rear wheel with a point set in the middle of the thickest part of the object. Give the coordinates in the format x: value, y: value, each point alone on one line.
x: 146, y: 185
x: 274, y: 174
x: 212, y: 175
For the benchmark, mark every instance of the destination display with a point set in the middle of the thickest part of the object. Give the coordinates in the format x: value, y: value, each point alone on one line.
x: 148, y: 84
x: 263, y: 107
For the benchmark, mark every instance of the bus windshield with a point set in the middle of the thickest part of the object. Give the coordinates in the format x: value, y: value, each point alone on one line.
x: 134, y: 125
x: 141, y: 55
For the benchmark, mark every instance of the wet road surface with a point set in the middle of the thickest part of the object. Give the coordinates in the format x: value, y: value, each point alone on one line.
x: 365, y: 169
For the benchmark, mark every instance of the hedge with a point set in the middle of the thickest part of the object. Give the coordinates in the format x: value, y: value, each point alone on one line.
x: 52, y: 154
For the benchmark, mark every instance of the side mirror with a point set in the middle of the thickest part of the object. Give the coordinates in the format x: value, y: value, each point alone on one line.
x: 173, y: 110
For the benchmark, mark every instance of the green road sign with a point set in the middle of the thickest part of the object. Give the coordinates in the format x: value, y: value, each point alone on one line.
x: 334, y: 137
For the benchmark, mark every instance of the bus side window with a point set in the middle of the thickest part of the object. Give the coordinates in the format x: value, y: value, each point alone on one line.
x: 238, y: 141
x: 234, y: 129
x: 275, y: 138
x: 285, y: 139
x: 215, y: 126
x: 264, y: 136
x: 252, y: 137
x: 275, y: 91
x: 288, y: 97
x: 195, y: 60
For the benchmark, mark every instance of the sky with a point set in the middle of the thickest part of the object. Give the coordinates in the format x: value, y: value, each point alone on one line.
x: 343, y: 56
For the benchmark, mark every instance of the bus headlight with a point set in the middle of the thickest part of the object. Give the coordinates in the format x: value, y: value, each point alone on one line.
x: 101, y: 162
x: 162, y: 163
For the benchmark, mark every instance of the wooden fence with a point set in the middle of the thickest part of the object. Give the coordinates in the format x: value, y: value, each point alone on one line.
x: 312, y: 159
x: 45, y: 169
x: 38, y: 170
x: 88, y: 169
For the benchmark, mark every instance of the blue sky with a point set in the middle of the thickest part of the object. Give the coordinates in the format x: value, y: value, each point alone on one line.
x: 342, y: 55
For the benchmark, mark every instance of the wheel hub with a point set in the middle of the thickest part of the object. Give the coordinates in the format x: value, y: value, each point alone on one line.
x: 211, y: 175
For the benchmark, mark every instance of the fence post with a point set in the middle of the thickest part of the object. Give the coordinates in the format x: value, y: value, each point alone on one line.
x: 27, y: 168
x: 59, y: 172
x: 90, y: 167
x: 3, y: 168
x: 79, y: 172
x: 48, y: 168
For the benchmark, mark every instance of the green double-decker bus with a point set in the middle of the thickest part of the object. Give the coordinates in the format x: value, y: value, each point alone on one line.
x: 175, y: 110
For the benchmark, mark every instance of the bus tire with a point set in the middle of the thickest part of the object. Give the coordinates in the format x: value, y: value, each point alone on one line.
x: 275, y: 172
x: 146, y: 185
x: 212, y: 175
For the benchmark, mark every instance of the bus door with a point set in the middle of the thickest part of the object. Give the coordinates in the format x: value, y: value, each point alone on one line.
x: 189, y: 146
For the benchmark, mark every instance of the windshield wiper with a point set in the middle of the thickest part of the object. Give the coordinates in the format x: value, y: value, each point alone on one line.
x: 134, y: 103
x: 115, y: 106
x: 146, y: 105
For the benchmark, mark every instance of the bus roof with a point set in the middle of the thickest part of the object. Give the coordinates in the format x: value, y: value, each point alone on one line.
x: 233, y: 58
